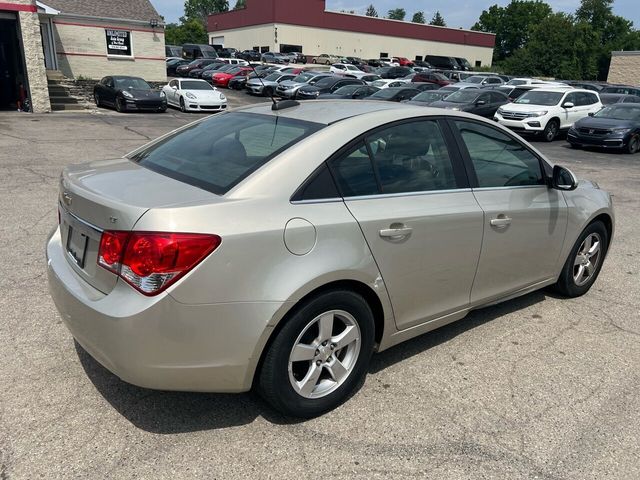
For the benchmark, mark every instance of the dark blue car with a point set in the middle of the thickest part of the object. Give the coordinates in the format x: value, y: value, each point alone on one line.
x: 616, y: 126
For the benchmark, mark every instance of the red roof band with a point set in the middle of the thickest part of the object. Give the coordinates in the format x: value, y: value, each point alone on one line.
x: 311, y: 13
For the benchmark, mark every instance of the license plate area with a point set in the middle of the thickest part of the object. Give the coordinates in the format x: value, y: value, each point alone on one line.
x: 77, y: 245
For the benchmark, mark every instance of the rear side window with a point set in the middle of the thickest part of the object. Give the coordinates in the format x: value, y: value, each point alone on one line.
x: 354, y: 174
x: 498, y: 159
x: 221, y: 151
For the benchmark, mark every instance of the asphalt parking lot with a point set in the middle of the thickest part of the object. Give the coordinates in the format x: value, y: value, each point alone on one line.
x: 538, y: 387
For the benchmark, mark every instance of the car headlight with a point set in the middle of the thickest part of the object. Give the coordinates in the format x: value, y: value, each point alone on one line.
x: 541, y: 113
x: 619, y: 131
x: 126, y: 94
x: 500, y: 110
x: 190, y: 95
x: 222, y: 97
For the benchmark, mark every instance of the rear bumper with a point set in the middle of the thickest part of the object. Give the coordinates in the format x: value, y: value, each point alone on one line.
x: 157, y: 342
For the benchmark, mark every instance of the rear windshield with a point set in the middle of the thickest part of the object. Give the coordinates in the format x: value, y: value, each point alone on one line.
x: 219, y: 152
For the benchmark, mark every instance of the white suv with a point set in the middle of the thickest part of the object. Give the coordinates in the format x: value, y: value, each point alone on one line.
x: 548, y: 110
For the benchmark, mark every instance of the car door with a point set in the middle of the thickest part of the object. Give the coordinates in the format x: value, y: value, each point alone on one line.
x: 109, y: 91
x: 524, y: 220
x: 484, y: 109
x: 173, y: 92
x: 406, y: 187
x: 570, y: 115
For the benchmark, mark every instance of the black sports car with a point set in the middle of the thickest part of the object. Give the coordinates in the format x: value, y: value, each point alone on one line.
x: 128, y: 94
x: 616, y: 126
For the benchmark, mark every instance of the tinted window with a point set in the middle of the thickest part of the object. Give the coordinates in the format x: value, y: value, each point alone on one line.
x: 221, y: 151
x: 540, y: 98
x: 498, y: 98
x: 194, y: 85
x: 498, y: 159
x: 353, y: 173
x: 132, y: 82
x: 412, y: 157
x: 319, y: 186
x: 632, y: 99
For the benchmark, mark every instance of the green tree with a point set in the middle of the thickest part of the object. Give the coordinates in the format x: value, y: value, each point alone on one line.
x: 511, y: 24
x: 240, y: 4
x: 201, y: 9
x: 188, y: 31
x: 438, y: 20
x: 418, y: 17
x: 396, y: 14
x: 371, y: 11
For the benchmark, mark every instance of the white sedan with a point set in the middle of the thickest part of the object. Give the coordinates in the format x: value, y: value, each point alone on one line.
x: 193, y: 95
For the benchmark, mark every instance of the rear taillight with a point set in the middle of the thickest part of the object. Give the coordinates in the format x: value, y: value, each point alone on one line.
x: 151, y: 261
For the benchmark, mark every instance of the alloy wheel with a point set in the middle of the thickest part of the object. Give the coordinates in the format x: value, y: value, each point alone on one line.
x: 587, y: 259
x: 634, y: 144
x: 324, y: 354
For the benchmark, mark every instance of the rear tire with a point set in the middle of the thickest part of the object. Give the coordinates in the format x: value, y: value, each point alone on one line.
x: 583, y: 266
x: 550, y: 132
x: 332, y: 337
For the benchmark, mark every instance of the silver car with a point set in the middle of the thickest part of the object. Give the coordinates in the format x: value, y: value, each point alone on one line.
x: 289, y: 88
x: 267, y: 86
x: 277, y: 249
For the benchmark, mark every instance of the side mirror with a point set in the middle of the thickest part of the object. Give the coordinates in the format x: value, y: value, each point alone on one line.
x: 563, y: 179
x: 175, y: 87
x: 568, y: 105
x: 591, y: 114
x: 481, y: 102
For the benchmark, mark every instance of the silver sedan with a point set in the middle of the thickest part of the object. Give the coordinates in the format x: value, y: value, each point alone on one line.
x: 277, y: 249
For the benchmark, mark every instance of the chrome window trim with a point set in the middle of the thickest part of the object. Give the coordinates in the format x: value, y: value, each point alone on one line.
x: 540, y: 185
x: 408, y: 194
x: 317, y: 200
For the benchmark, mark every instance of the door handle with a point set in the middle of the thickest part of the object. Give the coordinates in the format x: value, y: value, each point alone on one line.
x: 396, y: 231
x: 501, y: 221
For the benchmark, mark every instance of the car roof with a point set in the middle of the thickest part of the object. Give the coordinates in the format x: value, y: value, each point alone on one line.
x: 556, y: 89
x: 330, y: 111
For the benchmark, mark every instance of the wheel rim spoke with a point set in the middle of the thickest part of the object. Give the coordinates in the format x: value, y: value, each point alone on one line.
x: 309, y: 382
x: 579, y: 274
x: 325, y: 327
x: 302, y: 352
x: 588, y: 268
x: 337, y: 371
x: 349, y: 335
x: 595, y: 248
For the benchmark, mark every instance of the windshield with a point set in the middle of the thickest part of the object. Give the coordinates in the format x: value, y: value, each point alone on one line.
x: 463, y: 96
x: 540, y: 98
x: 385, y: 93
x: 379, y: 83
x: 131, y: 83
x: 347, y: 90
x: 219, y: 152
x: 429, y: 96
x: 315, y: 80
x: 474, y: 79
x: 303, y: 78
x: 449, y: 89
x: 517, y: 82
x: 352, y: 68
x: 273, y: 77
x: 209, y: 53
x: 619, y: 112
x: 195, y: 85
x: 325, y: 82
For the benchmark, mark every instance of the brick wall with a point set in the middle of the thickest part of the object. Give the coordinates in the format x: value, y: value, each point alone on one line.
x: 625, y: 68
x: 82, y: 50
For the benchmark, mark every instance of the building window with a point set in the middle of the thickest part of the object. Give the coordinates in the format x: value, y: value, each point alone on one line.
x: 264, y: 49
x: 256, y: 49
x: 384, y: 55
x: 418, y: 58
x: 284, y: 48
x: 118, y: 42
x: 478, y: 63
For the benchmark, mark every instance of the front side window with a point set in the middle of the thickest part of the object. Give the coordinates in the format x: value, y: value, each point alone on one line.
x: 219, y: 152
x: 498, y: 159
x: 412, y: 157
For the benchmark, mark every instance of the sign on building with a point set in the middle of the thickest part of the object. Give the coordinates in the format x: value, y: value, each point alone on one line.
x: 118, y: 42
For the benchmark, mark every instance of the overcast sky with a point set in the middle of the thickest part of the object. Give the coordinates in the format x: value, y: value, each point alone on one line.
x: 461, y: 13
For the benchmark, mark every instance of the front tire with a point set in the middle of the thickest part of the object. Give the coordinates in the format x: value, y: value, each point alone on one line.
x: 634, y: 145
x: 583, y: 266
x: 183, y: 107
x: 96, y: 98
x: 550, y: 132
x: 120, y: 106
x: 320, y: 356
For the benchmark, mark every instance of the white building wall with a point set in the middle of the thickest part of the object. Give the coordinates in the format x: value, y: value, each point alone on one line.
x: 315, y: 41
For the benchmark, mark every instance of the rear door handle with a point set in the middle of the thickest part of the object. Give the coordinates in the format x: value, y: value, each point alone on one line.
x: 501, y: 221
x: 396, y: 231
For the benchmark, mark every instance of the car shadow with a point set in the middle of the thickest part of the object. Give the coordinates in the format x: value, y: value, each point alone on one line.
x: 165, y: 412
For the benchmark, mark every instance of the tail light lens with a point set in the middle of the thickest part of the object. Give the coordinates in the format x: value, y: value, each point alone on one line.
x: 151, y: 261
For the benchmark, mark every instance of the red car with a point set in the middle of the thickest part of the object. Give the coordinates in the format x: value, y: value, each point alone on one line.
x: 221, y: 79
x: 431, y: 77
x: 404, y: 62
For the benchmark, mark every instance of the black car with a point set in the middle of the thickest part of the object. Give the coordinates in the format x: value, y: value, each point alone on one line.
x: 395, y: 94
x: 427, y: 98
x: 326, y: 85
x: 422, y: 64
x: 197, y: 72
x: 250, y: 55
x: 356, y: 92
x: 395, y: 72
x: 128, y: 94
x: 439, y: 61
x: 228, y: 53
x: 173, y: 64
x: 625, y: 89
x: 184, y: 70
x: 610, y: 98
x: 471, y: 100
x: 616, y: 126
x: 463, y: 63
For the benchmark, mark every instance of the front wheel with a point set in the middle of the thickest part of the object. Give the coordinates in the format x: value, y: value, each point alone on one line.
x: 320, y: 356
x: 585, y: 261
x: 183, y: 107
x: 120, y: 105
x: 96, y: 98
x: 634, y: 144
x: 551, y: 131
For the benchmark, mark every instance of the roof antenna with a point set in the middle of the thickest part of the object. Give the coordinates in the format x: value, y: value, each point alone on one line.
x: 275, y: 105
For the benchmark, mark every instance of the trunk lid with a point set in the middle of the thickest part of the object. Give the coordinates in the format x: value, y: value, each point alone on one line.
x: 112, y: 195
